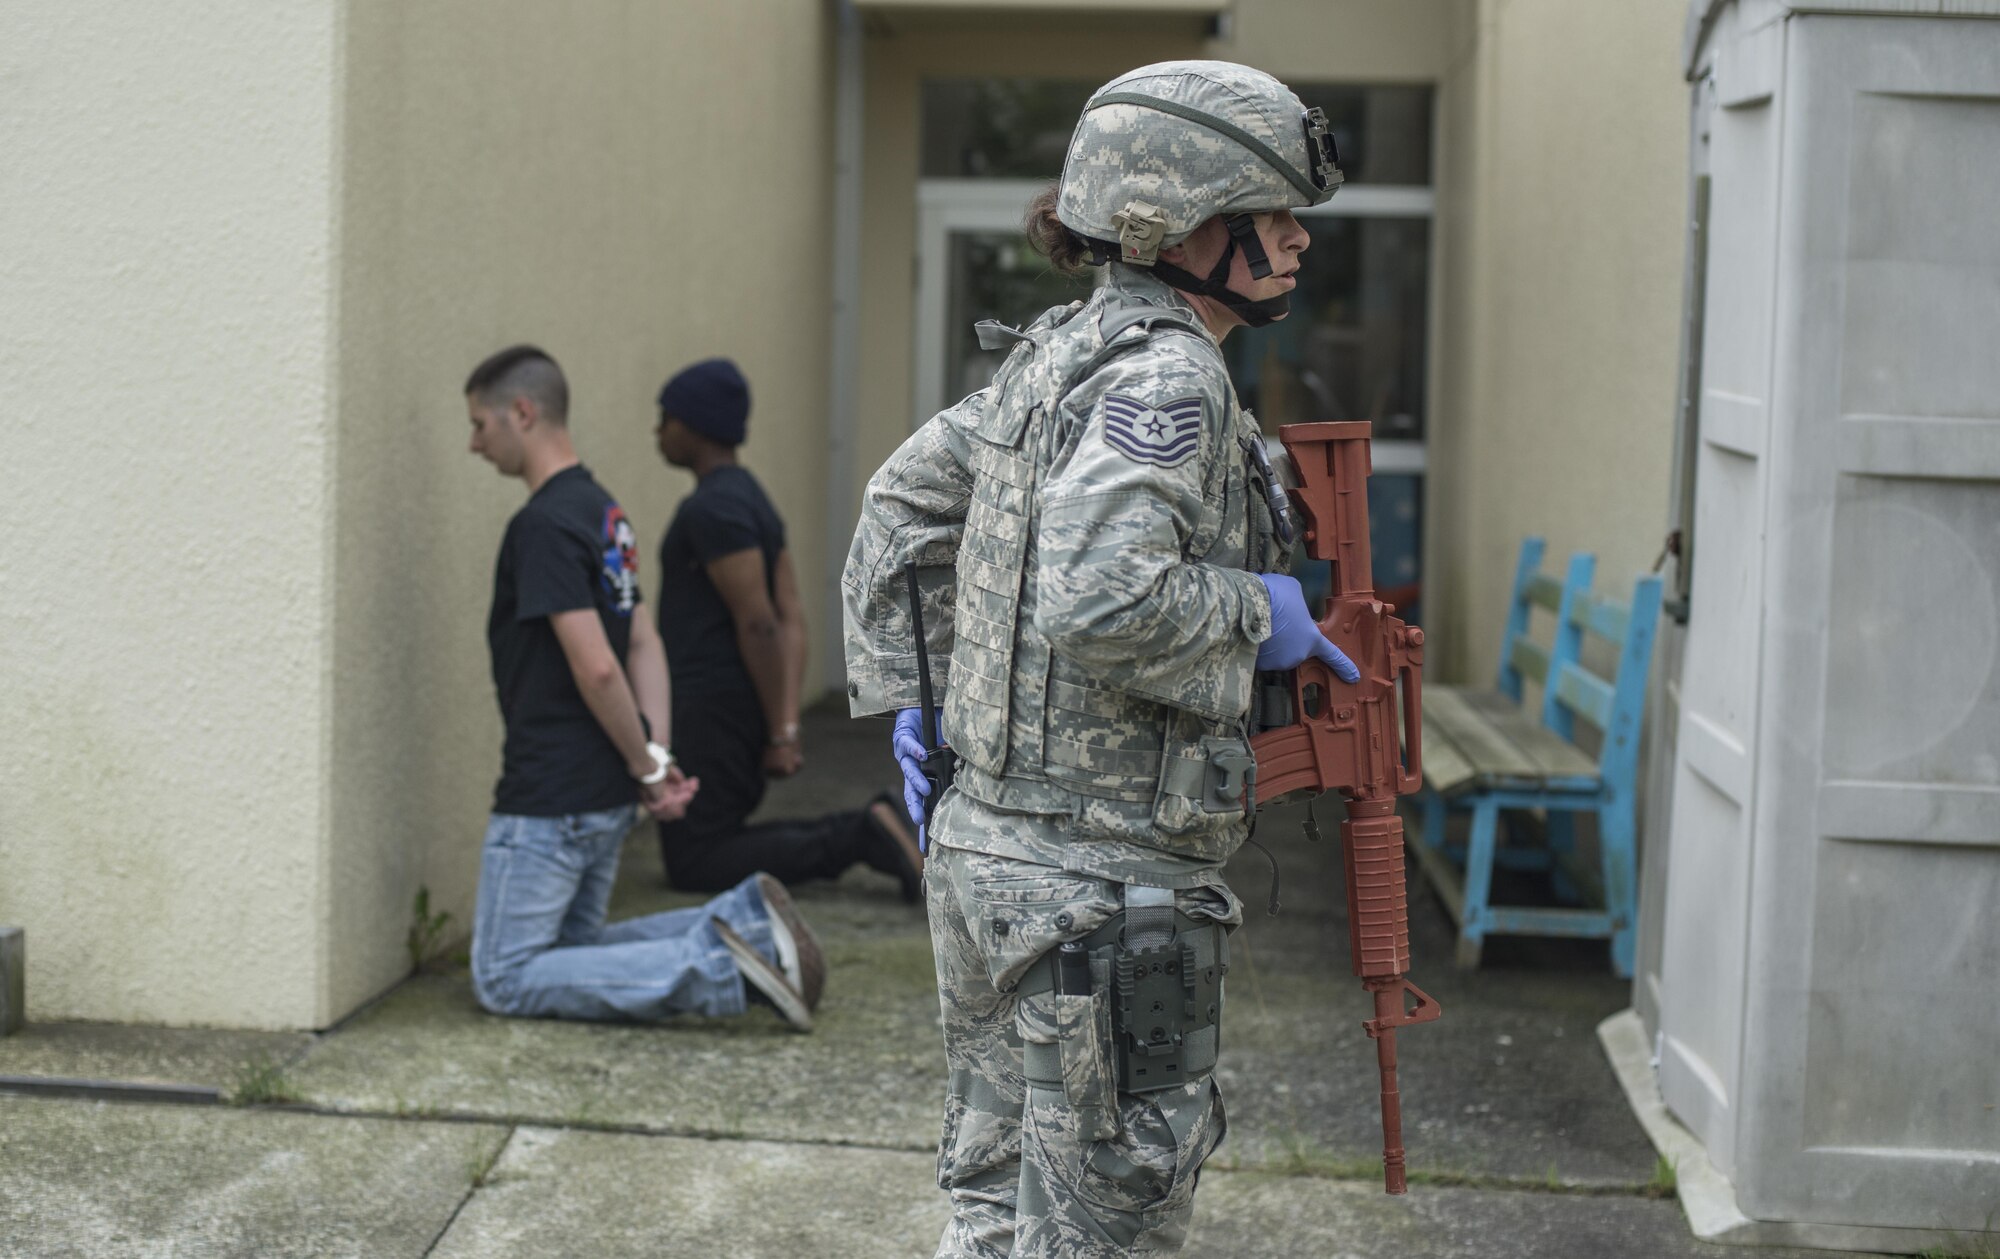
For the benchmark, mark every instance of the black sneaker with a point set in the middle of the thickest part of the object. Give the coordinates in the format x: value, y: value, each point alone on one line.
x: 892, y: 845
x: 765, y: 980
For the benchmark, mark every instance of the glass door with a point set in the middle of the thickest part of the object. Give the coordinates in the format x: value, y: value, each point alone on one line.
x: 974, y: 263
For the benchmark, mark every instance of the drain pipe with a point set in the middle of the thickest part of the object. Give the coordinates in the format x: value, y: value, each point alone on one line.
x: 844, y: 361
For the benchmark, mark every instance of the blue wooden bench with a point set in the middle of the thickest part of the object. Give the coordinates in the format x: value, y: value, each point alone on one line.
x: 1485, y: 752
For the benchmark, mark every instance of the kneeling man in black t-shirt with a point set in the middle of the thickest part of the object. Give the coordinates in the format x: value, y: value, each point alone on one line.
x: 736, y: 636
x: 583, y: 690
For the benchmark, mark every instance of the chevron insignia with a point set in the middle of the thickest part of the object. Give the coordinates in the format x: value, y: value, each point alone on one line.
x: 1166, y: 436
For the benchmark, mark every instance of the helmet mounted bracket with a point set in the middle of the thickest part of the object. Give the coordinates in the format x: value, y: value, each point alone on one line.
x: 1142, y: 228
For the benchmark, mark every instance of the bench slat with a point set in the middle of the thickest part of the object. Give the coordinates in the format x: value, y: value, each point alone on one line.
x: 1531, y: 660
x: 1491, y: 753
x: 1585, y: 695
x: 1607, y: 618
x: 1446, y: 769
x: 1544, y: 591
x: 1556, y: 756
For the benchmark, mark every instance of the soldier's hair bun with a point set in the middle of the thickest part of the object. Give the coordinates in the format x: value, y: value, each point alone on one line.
x: 1067, y: 252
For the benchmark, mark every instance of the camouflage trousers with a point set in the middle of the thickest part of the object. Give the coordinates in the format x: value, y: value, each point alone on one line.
x: 1029, y: 1173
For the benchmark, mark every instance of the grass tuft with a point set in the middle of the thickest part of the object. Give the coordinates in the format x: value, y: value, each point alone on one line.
x: 1962, y: 1248
x: 479, y: 1164
x: 1666, y: 1179
x: 262, y: 1082
x: 426, y: 937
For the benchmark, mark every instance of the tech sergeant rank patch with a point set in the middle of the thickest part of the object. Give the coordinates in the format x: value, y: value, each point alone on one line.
x: 1166, y: 436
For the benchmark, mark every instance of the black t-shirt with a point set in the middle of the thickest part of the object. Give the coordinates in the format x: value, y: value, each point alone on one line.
x: 569, y: 548
x: 728, y: 512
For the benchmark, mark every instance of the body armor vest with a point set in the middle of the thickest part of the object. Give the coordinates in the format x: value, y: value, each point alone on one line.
x: 1036, y: 732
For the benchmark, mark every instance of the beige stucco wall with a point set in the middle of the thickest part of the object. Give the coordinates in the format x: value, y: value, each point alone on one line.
x: 632, y: 186
x: 166, y: 297
x: 252, y: 253
x: 1561, y: 205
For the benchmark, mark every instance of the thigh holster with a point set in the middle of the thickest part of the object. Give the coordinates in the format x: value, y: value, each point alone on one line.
x: 1161, y: 972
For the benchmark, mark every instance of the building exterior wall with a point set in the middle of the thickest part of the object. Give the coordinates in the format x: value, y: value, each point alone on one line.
x: 1561, y: 206
x: 249, y: 558
x: 164, y: 342
x: 245, y: 611
x: 632, y: 192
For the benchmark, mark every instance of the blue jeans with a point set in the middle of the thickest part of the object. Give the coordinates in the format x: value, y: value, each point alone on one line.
x: 540, y: 946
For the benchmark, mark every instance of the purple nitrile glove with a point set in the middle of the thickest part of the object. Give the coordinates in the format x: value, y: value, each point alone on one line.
x: 1295, y: 635
x: 906, y: 740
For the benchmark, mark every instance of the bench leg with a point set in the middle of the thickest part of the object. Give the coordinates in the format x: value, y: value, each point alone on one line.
x: 1562, y: 849
x: 1434, y: 815
x: 1618, y: 838
x: 1478, y: 882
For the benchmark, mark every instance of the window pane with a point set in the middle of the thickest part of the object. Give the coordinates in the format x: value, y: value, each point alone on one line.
x: 1383, y: 132
x: 1019, y: 128
x: 1000, y: 128
x: 995, y: 275
x: 1353, y: 347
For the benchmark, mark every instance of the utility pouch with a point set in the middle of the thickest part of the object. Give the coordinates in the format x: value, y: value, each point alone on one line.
x: 1083, y: 1042
x: 1206, y: 786
x: 1066, y: 1048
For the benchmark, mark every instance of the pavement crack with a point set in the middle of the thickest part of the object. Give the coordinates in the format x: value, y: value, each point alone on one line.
x: 477, y: 1182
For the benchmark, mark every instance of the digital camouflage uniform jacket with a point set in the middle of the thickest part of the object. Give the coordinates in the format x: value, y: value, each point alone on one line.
x: 1087, y: 531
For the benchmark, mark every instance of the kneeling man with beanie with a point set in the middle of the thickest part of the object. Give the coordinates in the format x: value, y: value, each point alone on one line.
x: 583, y: 694
x: 736, y: 642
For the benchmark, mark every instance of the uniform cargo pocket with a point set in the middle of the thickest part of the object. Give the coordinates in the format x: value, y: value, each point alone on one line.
x: 1017, y: 918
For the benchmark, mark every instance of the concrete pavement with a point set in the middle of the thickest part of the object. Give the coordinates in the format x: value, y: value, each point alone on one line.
x: 423, y: 1126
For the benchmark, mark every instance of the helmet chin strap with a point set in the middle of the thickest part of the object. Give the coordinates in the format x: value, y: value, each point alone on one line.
x: 1256, y: 313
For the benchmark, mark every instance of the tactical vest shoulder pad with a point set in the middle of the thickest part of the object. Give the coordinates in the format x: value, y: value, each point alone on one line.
x: 1117, y: 319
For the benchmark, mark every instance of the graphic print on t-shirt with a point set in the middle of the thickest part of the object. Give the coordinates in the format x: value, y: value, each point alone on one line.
x: 621, y: 560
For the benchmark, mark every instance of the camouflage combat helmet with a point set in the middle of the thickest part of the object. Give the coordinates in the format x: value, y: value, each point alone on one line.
x: 1162, y: 149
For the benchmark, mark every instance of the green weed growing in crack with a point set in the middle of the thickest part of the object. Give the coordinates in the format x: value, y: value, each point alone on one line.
x: 403, y: 1108
x: 479, y: 1165
x: 1666, y: 1178
x: 262, y: 1082
x: 426, y: 931
x: 1304, y: 1158
x: 1964, y: 1247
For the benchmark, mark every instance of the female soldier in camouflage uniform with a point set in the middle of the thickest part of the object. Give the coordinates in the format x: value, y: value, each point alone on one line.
x: 1098, y: 546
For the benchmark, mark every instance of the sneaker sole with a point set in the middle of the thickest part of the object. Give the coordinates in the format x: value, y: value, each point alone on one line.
x: 798, y: 947
x: 766, y: 978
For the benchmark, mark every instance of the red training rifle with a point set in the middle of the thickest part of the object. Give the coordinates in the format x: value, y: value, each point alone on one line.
x: 1344, y: 737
